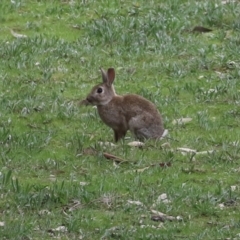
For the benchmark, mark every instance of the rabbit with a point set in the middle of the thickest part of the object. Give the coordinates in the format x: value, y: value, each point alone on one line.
x: 128, y: 112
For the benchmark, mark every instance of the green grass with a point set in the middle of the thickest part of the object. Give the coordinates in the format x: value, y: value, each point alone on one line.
x: 50, y: 173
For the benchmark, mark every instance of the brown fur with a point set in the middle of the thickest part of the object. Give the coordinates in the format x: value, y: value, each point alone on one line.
x: 128, y: 112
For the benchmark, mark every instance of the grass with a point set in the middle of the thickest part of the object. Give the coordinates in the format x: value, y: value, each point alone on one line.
x: 50, y: 175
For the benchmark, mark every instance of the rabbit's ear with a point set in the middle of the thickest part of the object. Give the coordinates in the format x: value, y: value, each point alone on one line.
x: 108, y: 77
x: 111, y: 75
x: 104, y: 76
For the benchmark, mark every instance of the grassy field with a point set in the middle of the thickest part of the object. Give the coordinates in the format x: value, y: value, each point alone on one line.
x: 56, y: 183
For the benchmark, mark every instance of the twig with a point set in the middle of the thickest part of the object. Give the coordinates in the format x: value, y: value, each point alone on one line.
x: 114, y: 158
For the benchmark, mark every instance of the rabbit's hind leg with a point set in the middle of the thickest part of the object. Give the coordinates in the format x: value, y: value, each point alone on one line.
x: 141, y: 134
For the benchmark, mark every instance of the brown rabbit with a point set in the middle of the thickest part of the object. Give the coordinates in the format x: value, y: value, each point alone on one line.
x: 127, y: 112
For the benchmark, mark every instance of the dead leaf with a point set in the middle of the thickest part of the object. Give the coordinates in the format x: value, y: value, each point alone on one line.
x: 106, y: 144
x: 181, y: 121
x: 159, y: 216
x: 138, y: 203
x: 211, y: 90
x: 91, y: 151
x: 114, y: 158
x: 201, y: 29
x: 58, y: 229
x: 44, y: 212
x: 152, y: 226
x: 83, y: 183
x: 161, y: 199
x: 142, y: 169
x: 136, y: 144
x: 187, y: 150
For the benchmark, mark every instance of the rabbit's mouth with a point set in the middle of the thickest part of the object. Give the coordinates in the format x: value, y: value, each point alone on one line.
x: 89, y: 100
x: 84, y: 102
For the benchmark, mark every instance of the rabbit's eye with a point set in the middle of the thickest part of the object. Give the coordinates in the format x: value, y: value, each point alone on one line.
x: 99, y: 90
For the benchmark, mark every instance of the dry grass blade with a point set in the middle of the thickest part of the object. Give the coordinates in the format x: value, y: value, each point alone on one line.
x: 205, y: 152
x: 17, y: 35
x: 114, y: 158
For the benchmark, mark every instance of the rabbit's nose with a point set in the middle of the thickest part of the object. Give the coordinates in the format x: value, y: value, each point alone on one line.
x: 89, y: 99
